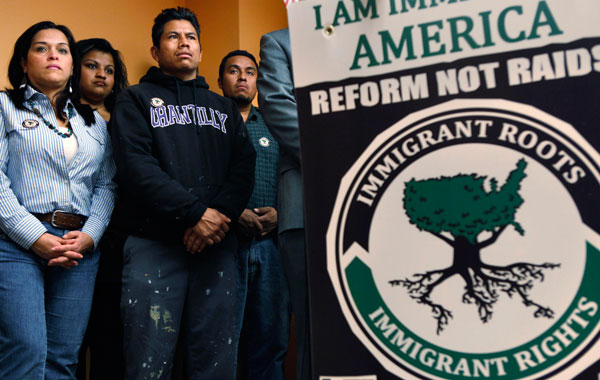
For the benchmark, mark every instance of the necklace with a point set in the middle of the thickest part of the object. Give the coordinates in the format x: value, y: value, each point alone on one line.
x: 70, y: 114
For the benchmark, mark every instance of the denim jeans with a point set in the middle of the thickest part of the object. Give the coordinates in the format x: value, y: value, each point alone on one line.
x: 104, y: 335
x: 169, y: 293
x: 266, y: 315
x: 43, y: 312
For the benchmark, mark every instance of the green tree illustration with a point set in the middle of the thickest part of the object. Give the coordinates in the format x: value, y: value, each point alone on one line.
x: 459, y: 211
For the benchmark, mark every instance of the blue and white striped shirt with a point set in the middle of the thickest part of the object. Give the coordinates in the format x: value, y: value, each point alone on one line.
x: 35, y: 176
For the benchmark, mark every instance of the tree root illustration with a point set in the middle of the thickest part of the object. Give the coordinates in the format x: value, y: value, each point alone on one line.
x: 483, y: 284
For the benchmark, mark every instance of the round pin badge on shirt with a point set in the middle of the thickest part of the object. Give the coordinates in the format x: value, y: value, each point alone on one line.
x: 30, y: 123
x: 263, y: 141
x: 157, y: 102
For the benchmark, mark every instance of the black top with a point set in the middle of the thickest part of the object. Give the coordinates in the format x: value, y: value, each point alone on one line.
x: 179, y: 148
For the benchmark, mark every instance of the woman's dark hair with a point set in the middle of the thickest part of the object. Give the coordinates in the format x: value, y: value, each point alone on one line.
x: 170, y: 14
x: 16, y: 73
x: 121, y: 83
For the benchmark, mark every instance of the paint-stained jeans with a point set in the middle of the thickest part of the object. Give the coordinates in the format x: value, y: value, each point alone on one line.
x: 266, y: 326
x: 43, y: 312
x: 168, y: 292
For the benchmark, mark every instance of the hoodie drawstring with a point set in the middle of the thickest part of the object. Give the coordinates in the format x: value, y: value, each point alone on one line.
x: 196, y: 105
x: 198, y: 126
x: 178, y: 91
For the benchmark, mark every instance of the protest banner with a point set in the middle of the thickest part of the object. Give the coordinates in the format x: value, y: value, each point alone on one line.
x: 451, y: 179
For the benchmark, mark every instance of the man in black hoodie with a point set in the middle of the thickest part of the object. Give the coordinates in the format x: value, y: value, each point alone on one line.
x: 185, y: 171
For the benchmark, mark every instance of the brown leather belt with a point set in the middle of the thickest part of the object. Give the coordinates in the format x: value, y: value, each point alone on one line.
x: 60, y: 219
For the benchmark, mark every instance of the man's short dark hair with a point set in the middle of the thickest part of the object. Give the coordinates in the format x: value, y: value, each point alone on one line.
x: 234, y: 54
x: 169, y: 14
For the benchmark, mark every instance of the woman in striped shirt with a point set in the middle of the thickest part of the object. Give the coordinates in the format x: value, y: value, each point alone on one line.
x: 56, y: 197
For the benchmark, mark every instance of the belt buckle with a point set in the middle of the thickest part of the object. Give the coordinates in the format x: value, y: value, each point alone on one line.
x: 52, y: 218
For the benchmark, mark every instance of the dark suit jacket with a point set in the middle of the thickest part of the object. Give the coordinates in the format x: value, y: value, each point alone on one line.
x: 277, y: 101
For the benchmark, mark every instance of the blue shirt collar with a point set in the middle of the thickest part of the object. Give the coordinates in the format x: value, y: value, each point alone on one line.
x: 31, y: 93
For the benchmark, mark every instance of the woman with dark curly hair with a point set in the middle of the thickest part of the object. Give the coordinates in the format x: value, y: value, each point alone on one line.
x: 103, y: 77
x: 56, y: 198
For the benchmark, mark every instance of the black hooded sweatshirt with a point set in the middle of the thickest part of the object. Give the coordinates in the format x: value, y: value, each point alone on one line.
x: 179, y: 148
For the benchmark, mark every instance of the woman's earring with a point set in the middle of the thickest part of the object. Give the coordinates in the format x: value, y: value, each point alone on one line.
x: 23, y: 81
x: 70, y: 88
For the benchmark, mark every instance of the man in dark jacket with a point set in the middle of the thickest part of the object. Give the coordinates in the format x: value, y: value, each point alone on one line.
x: 277, y: 100
x: 185, y: 170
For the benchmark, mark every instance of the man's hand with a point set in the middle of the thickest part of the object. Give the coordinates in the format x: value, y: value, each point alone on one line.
x: 212, y: 226
x: 193, y: 242
x: 210, y: 229
x: 250, y: 224
x: 44, y: 247
x: 267, y: 216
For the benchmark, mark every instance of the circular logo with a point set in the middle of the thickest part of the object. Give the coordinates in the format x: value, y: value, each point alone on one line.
x: 263, y: 141
x: 30, y: 123
x: 157, y: 102
x: 464, y: 243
